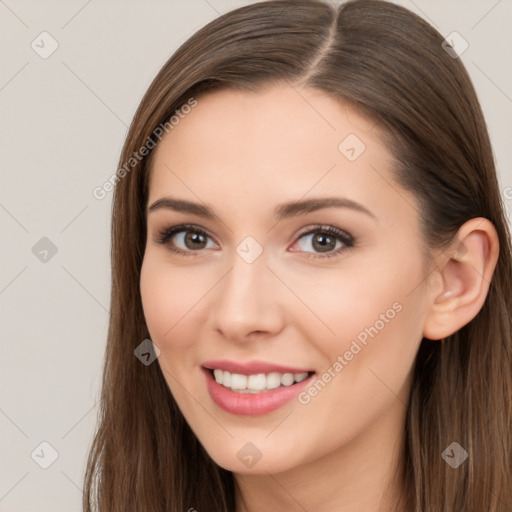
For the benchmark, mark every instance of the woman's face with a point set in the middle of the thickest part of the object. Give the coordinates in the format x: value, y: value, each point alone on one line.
x: 267, y: 285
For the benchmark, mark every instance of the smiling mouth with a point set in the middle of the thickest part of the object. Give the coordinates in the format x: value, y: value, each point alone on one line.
x: 256, y: 383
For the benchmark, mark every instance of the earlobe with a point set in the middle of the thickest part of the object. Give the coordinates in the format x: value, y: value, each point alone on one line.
x: 463, y: 274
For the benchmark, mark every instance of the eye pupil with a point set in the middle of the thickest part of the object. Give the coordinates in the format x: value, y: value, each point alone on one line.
x: 194, y: 239
x: 324, y: 243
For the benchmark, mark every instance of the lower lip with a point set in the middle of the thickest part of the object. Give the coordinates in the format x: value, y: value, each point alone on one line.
x: 252, y: 404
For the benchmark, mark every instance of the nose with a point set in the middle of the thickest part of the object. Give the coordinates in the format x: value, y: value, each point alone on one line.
x: 247, y: 301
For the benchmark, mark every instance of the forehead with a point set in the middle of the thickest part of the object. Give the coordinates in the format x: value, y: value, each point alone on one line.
x: 255, y: 149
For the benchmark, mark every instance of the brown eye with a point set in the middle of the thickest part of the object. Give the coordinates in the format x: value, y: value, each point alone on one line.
x: 185, y: 239
x: 194, y: 240
x: 325, y: 241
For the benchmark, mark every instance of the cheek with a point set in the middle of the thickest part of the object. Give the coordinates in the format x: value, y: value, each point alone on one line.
x: 355, y: 302
x: 375, y: 312
x: 157, y: 302
x: 368, y: 362
x: 169, y: 295
x: 370, y: 330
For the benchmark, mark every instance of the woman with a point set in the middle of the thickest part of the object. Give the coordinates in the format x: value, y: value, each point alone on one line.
x: 311, y: 295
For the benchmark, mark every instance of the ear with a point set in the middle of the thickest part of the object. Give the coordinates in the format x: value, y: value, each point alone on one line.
x: 460, y: 283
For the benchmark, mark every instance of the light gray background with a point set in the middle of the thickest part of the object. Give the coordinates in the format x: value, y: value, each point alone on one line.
x: 63, y: 122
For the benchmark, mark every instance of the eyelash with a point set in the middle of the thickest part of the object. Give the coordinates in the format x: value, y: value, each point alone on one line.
x: 347, y: 240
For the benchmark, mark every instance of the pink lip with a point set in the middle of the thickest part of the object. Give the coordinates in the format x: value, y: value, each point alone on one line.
x: 251, y: 367
x: 252, y: 404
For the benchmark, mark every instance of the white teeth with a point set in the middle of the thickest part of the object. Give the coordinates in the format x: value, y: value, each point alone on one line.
x: 273, y: 380
x: 287, y: 379
x: 300, y: 376
x: 238, y: 381
x: 257, y: 382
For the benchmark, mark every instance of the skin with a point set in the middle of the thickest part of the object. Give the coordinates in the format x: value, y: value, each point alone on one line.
x: 243, y: 153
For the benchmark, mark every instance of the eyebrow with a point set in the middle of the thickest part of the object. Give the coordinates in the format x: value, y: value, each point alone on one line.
x: 282, y: 211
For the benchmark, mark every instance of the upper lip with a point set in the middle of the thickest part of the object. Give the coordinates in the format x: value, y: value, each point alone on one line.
x: 251, y: 367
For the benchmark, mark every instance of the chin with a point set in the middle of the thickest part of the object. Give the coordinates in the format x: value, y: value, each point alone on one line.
x: 247, y: 459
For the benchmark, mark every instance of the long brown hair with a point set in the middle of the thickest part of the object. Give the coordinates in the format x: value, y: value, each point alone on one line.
x: 389, y: 64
